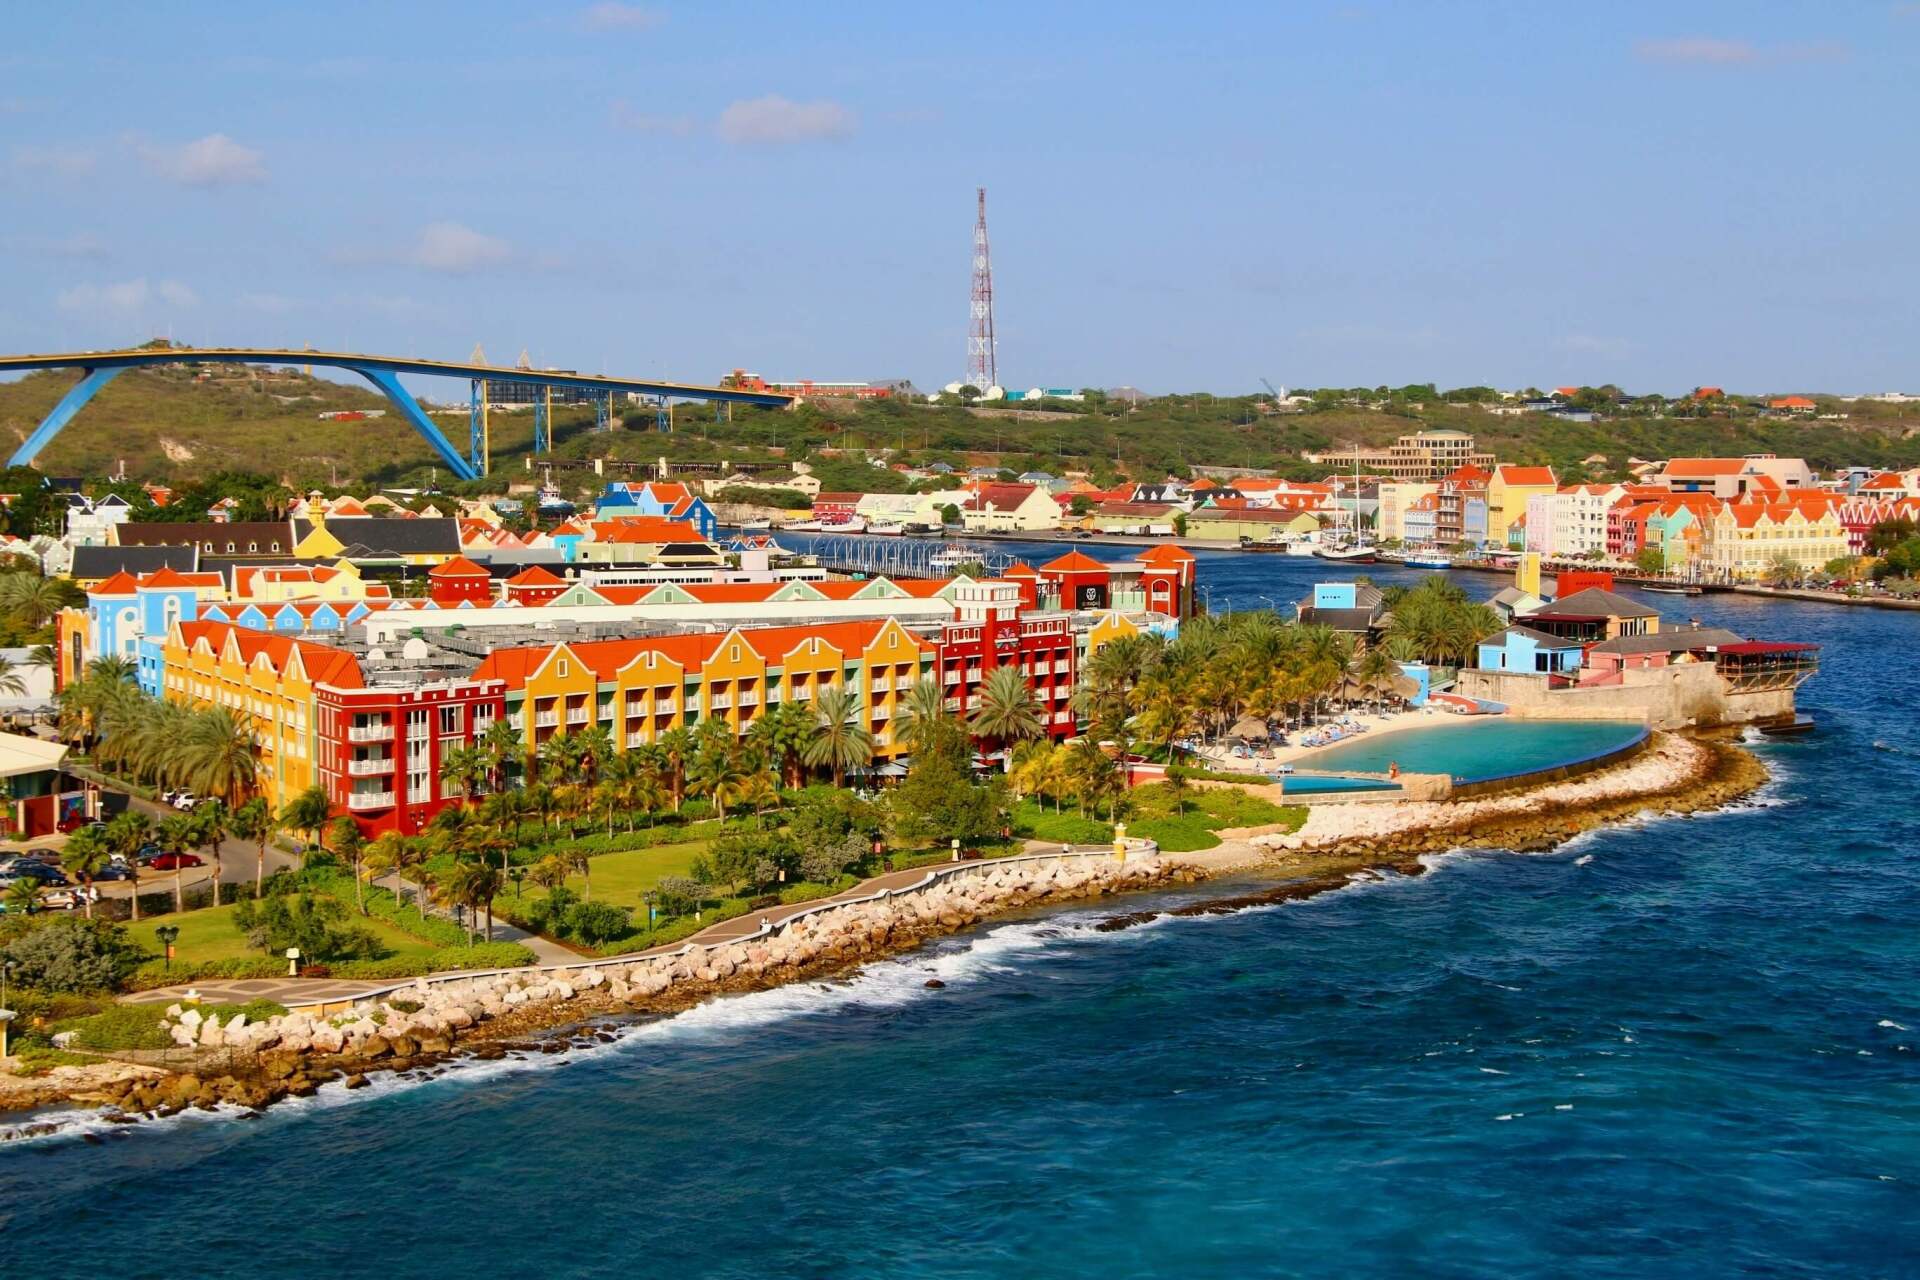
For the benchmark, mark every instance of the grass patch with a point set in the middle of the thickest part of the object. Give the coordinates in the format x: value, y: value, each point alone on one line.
x: 209, y: 935
x: 121, y: 1027
x: 1157, y: 813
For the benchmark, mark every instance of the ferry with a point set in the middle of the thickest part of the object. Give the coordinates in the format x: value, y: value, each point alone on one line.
x: 1427, y: 558
x: 756, y: 526
x: 802, y: 526
x: 887, y: 528
x: 1355, y: 553
x: 951, y: 558
x: 552, y: 502
x: 1674, y: 589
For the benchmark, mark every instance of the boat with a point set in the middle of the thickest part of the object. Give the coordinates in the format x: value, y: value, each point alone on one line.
x: 552, y: 502
x: 1789, y: 728
x: 756, y: 526
x: 1303, y: 546
x: 887, y: 528
x: 951, y: 558
x: 802, y: 526
x: 1356, y: 553
x: 1673, y: 589
x: 853, y: 524
x: 1427, y: 558
x: 1265, y: 544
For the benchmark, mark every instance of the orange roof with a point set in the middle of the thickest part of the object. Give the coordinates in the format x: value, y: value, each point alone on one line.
x: 166, y: 576
x: 458, y: 567
x: 1886, y: 480
x: 1201, y: 485
x: 1167, y: 553
x: 321, y: 662
x: 1790, y: 402
x: 1525, y: 475
x: 644, y: 529
x: 606, y: 657
x: 120, y: 584
x: 1073, y: 562
x: 1566, y: 391
x: 1707, y: 393
x: 536, y: 576
x: 1020, y: 569
x: 1467, y: 476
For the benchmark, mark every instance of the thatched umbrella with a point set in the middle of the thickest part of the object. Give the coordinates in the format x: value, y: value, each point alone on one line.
x: 1250, y: 729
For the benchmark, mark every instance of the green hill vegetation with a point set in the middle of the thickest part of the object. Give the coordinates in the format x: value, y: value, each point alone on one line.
x: 178, y: 425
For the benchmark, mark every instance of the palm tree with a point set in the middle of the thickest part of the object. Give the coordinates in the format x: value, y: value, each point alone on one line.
x: 127, y: 833
x: 350, y: 844
x: 676, y: 748
x: 32, y: 599
x: 254, y: 821
x: 717, y: 771
x: 11, y: 682
x: 593, y: 749
x: 761, y: 789
x: 500, y: 745
x: 924, y: 707
x: 840, y: 741
x: 212, y: 823
x: 308, y: 812
x: 560, y: 757
x: 465, y: 769
x: 23, y: 896
x: 480, y: 885
x: 218, y: 755
x: 87, y: 855
x: 112, y: 670
x: 177, y: 835
x: 394, y: 852
x: 576, y: 859
x: 1007, y: 712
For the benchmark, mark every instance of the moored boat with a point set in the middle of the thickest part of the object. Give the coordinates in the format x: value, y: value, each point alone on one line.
x: 1360, y: 553
x: 1427, y: 558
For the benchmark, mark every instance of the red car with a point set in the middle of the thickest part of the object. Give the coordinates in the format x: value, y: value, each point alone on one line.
x: 175, y: 861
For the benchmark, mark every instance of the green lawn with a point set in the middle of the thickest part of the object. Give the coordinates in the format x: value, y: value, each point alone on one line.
x: 620, y: 878
x: 210, y: 934
x: 1151, y: 815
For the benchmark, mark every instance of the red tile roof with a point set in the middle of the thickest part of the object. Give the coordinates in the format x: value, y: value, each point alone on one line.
x: 1525, y: 475
x: 1073, y: 562
x: 458, y: 567
x: 536, y: 576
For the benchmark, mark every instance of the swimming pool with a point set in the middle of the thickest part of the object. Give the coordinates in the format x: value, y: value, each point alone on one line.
x: 1312, y: 785
x: 1481, y: 750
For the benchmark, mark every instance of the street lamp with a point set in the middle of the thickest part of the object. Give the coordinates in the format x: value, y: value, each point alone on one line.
x: 293, y: 962
x: 517, y: 874
x: 167, y: 933
x: 649, y: 897
x: 956, y: 848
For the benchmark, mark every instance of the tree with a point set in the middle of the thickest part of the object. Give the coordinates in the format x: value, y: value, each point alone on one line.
x: 465, y: 769
x: 351, y: 845
x: 23, y: 896
x: 1650, y: 560
x: 87, y: 854
x: 576, y: 859
x: 11, y: 682
x: 308, y: 812
x: 924, y: 707
x: 177, y: 835
x: 68, y: 954
x: 127, y: 833
x: 1007, y: 712
x: 218, y: 756
x: 254, y: 821
x: 840, y: 741
x: 1784, y: 571
x: 32, y: 599
x: 393, y: 852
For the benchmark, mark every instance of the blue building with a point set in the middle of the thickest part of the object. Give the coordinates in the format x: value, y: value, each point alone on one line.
x: 1525, y: 650
x: 672, y: 501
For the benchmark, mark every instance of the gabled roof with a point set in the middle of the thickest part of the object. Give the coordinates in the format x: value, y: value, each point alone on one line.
x: 1510, y: 474
x: 1596, y: 603
x: 536, y: 576
x: 1540, y: 638
x: 120, y: 584
x: 458, y: 567
x: 1670, y: 640
x: 1073, y: 562
x: 103, y: 562
x: 1166, y: 554
x: 1704, y: 468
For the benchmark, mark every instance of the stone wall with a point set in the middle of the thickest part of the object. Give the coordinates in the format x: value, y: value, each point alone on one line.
x: 1689, y: 695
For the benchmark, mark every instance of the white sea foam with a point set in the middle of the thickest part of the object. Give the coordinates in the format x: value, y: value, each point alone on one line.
x: 1585, y: 859
x: 1890, y: 1024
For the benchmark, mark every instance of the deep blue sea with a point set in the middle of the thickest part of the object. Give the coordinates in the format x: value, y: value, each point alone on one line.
x: 1680, y: 1048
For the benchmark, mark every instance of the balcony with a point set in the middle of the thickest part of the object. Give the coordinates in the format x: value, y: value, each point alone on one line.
x: 720, y: 701
x: 636, y: 739
x: 370, y: 733
x: 953, y: 704
x: 517, y: 721
x: 577, y: 715
x: 363, y: 800
x: 373, y: 767
x: 951, y: 677
x: 882, y: 712
x: 664, y: 706
x: 750, y: 698
x: 546, y: 719
x: 1062, y: 668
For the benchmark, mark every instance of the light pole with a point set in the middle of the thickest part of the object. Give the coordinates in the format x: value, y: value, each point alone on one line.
x: 167, y: 933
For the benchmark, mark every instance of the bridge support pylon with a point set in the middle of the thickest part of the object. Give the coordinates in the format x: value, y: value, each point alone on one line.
x: 389, y: 386
x: 62, y: 413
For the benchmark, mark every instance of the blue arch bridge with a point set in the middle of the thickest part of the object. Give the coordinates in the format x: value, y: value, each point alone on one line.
x: 97, y: 368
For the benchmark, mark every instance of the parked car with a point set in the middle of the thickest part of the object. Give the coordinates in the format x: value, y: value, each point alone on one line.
x: 148, y: 852
x: 184, y: 800
x: 40, y: 871
x: 175, y: 861
x: 60, y: 900
x: 114, y: 871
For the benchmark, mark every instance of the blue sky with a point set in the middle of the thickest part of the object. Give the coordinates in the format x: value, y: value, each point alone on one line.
x: 1180, y: 196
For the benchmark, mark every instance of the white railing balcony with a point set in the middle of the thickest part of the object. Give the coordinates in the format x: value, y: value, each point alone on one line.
x: 546, y: 719
x: 663, y: 706
x: 750, y: 698
x: 517, y: 721
x: 953, y: 704
x: 370, y: 768
x: 882, y: 712
x: 1062, y: 667
x: 370, y: 733
x: 369, y: 799
x: 721, y: 701
x: 803, y: 694
x: 974, y: 673
x: 636, y: 739
x: 1062, y: 717
x: 577, y: 715
x: 951, y: 677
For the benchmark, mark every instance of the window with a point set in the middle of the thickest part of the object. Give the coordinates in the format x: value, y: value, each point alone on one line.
x: 561, y: 670
x: 449, y: 720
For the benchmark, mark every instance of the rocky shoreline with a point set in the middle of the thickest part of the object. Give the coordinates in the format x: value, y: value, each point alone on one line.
x: 423, y: 1026
x: 252, y: 1065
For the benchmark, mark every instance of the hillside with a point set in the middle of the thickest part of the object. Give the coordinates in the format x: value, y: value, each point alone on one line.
x: 166, y: 425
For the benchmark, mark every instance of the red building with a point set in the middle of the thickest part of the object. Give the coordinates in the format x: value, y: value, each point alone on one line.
x: 534, y: 585
x: 379, y: 750
x: 1167, y: 578
x: 1079, y: 581
x: 459, y: 580
x: 990, y: 629
x: 836, y: 508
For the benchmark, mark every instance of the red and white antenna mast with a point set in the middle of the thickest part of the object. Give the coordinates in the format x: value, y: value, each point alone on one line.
x: 981, y: 370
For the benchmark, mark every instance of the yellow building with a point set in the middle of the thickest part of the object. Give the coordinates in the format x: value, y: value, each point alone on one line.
x: 266, y: 678
x: 1507, y: 494
x: 1395, y: 497
x: 640, y: 689
x: 1744, y: 540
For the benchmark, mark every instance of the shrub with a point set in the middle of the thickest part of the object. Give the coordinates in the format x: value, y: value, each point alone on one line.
x: 596, y: 922
x: 124, y: 1026
x: 70, y: 953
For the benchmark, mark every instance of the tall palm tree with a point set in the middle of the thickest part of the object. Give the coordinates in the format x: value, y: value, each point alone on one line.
x: 465, y: 769
x: 309, y: 812
x: 559, y: 758
x: 32, y: 599
x: 676, y: 749
x: 12, y: 683
x: 501, y: 746
x: 255, y: 821
x: 1007, y: 712
x: 593, y: 750
x: 394, y: 852
x: 87, y: 855
x: 717, y: 772
x: 840, y: 741
x: 218, y: 755
x: 212, y: 824
x: 112, y: 670
x: 177, y: 835
x: 127, y: 833
x: 576, y: 859
x: 924, y: 707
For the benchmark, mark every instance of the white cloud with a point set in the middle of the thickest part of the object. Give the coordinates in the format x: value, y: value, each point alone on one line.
x: 621, y: 17
x: 451, y: 247
x: 1709, y: 51
x: 59, y: 162
x: 775, y: 121
x: 125, y: 298
x: 213, y: 161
